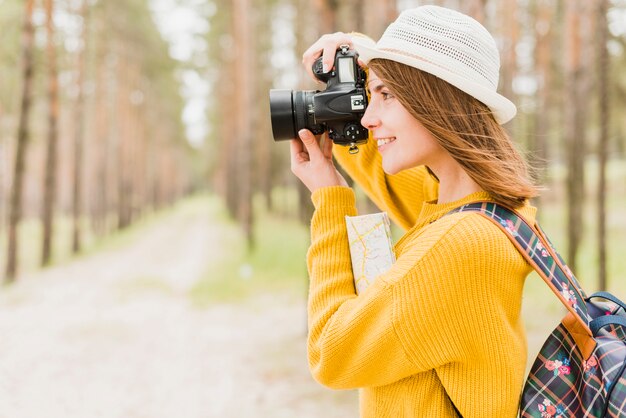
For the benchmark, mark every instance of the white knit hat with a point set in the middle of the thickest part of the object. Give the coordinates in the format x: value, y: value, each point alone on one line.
x: 447, y: 44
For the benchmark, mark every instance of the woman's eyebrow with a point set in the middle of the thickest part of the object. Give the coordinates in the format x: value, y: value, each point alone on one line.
x: 376, y: 89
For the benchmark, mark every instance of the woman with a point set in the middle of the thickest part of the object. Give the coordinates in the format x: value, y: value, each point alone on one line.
x: 440, y: 333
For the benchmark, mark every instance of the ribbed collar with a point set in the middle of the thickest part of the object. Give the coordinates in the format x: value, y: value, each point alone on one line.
x: 433, y: 210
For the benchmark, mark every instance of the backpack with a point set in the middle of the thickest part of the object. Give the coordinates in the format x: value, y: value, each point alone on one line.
x: 580, y: 370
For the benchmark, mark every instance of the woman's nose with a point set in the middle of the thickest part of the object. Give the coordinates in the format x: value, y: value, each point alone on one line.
x: 369, y: 119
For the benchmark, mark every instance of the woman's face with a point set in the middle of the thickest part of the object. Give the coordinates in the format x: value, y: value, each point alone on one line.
x: 402, y: 140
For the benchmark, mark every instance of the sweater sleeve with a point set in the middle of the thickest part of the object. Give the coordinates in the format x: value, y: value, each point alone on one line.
x: 414, y: 318
x: 400, y: 194
x: 337, y: 344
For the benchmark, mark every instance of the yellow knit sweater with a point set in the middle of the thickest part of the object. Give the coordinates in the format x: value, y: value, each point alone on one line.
x: 445, y: 318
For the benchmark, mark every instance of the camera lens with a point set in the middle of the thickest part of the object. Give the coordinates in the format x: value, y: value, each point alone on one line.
x: 289, y: 111
x: 281, y: 112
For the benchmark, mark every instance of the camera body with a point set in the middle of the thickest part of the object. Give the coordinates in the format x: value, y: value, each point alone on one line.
x: 338, y: 109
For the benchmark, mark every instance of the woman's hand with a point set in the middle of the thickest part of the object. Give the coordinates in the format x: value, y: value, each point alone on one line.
x: 326, y: 46
x: 313, y: 164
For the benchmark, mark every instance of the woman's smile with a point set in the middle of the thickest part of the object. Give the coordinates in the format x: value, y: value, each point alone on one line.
x: 384, y: 141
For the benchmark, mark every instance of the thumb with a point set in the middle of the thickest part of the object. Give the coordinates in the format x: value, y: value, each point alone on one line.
x: 311, y: 144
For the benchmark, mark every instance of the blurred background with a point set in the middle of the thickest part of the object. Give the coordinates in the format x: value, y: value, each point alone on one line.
x: 152, y: 236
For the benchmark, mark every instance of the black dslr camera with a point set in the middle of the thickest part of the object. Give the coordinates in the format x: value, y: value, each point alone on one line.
x: 338, y: 109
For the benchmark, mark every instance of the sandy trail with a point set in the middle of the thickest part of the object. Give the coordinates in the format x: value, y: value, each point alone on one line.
x: 115, y: 335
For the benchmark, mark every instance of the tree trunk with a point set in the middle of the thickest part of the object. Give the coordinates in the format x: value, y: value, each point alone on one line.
x: 152, y: 145
x: 264, y: 141
x: 3, y: 159
x: 511, y: 35
x: 604, y: 116
x: 123, y: 168
x: 243, y: 43
x: 574, y: 130
x: 374, y: 16
x: 79, y: 120
x: 15, y: 210
x: 104, y: 94
x: 139, y: 149
x: 50, y: 181
x: 543, y: 59
x: 475, y: 8
x: 327, y: 15
x: 225, y: 120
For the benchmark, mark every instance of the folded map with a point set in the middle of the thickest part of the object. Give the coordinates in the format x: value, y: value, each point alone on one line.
x: 371, y: 248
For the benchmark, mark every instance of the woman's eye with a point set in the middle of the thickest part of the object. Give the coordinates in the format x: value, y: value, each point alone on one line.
x: 386, y: 95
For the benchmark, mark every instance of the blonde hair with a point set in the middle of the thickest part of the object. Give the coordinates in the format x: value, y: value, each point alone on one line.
x: 465, y: 128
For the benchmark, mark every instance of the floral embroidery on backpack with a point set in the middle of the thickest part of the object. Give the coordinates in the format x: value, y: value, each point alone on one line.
x: 541, y: 249
x: 568, y: 295
x: 559, y: 366
x: 510, y: 227
x: 590, y: 365
x: 548, y: 410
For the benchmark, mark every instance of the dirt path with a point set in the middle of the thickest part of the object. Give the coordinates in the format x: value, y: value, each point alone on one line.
x: 115, y: 335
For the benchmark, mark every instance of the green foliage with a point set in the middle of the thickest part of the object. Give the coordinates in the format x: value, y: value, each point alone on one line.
x: 277, y: 262
x: 127, y: 27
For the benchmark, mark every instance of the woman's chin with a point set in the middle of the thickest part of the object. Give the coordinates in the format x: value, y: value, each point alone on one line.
x: 389, y: 168
x: 394, y: 167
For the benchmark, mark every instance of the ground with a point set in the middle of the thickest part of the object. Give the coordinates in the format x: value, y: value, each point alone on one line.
x: 115, y: 334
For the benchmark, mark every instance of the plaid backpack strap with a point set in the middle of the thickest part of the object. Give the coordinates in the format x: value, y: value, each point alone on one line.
x: 608, y: 296
x: 602, y: 321
x: 540, y: 254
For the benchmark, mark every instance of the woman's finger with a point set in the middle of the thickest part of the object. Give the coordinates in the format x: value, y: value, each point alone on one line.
x: 310, y: 55
x: 327, y: 147
x: 328, y: 55
x: 297, y: 151
x: 313, y: 52
x: 325, y: 47
x: 311, y: 145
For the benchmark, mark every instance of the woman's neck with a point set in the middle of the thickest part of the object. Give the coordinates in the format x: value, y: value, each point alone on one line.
x: 454, y: 183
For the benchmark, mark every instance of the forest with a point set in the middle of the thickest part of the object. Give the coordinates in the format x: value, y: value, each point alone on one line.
x: 153, y: 238
x: 105, y: 116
